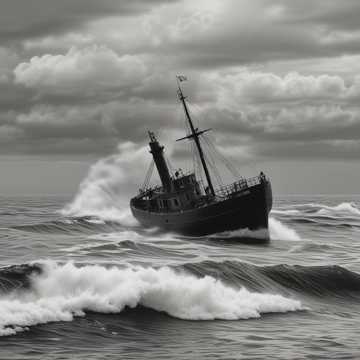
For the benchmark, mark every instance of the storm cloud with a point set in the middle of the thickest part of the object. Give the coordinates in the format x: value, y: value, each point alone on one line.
x: 274, y: 78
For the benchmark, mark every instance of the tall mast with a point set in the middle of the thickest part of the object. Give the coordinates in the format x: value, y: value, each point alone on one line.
x: 195, y: 133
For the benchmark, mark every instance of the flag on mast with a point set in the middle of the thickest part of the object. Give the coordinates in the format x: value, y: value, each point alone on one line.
x: 181, y: 78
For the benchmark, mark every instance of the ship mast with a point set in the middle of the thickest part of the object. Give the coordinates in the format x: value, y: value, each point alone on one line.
x: 195, y: 133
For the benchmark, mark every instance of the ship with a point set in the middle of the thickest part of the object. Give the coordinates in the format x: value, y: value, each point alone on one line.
x: 188, y: 206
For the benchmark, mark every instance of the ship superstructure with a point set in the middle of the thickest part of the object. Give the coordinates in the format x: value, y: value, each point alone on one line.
x: 186, y: 205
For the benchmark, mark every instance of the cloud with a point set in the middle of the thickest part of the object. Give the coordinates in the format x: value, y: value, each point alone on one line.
x: 247, y: 108
x: 257, y: 87
x: 27, y: 19
x: 78, y: 79
x: 234, y: 32
x: 81, y: 71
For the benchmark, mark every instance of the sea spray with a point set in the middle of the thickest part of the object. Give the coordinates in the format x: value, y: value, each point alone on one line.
x: 61, y: 292
x: 341, y: 209
x: 280, y: 231
x: 104, y: 193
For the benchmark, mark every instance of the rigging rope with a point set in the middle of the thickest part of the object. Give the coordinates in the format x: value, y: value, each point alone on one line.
x: 211, y: 161
x: 228, y: 164
x: 148, y: 175
x: 168, y: 163
x: 216, y: 153
x: 212, y: 155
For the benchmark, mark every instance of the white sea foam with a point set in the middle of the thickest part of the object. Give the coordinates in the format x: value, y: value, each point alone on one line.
x: 103, y: 194
x: 64, y: 291
x: 345, y: 208
x: 243, y: 233
x: 280, y: 231
x: 341, y: 209
x: 285, y: 212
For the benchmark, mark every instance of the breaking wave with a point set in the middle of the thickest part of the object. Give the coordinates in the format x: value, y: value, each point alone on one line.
x: 315, y: 280
x: 344, y: 215
x: 102, y: 193
x: 343, y: 209
x: 280, y: 231
x: 32, y: 294
x: 277, y: 231
x: 59, y: 292
x: 313, y: 209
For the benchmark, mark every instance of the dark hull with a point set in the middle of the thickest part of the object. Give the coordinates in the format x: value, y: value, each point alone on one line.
x: 249, y: 210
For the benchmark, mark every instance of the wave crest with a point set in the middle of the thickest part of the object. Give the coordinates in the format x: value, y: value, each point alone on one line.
x: 61, y: 292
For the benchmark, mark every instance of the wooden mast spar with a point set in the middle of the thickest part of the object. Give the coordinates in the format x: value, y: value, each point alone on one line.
x: 195, y: 133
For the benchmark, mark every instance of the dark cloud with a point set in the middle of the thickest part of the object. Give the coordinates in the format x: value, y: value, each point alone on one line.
x: 25, y: 19
x: 335, y: 15
x: 76, y: 89
x: 240, y: 32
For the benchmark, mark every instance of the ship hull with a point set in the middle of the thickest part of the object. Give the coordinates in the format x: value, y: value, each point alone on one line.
x: 248, y: 210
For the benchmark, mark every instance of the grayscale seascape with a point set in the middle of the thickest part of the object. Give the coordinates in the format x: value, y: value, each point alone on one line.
x: 179, y: 179
x: 102, y: 290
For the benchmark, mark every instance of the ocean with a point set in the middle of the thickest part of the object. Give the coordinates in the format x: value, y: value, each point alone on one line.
x: 102, y: 287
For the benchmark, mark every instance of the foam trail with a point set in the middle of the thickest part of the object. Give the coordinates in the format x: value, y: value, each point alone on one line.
x: 285, y: 212
x: 279, y: 231
x: 242, y: 233
x: 61, y: 292
x: 343, y: 208
x: 104, y: 192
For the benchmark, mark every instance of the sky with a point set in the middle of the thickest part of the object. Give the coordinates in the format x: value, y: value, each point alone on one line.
x: 277, y: 80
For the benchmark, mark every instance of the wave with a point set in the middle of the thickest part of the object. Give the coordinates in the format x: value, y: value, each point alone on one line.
x: 242, y: 234
x: 344, y: 209
x: 277, y: 231
x: 48, y: 291
x: 17, y: 276
x: 86, y: 225
x: 316, y: 280
x: 62, y: 291
x: 312, y: 247
x: 280, y: 231
x: 345, y: 215
x: 104, y: 191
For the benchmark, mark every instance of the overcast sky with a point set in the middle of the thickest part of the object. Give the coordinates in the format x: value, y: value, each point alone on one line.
x: 277, y: 80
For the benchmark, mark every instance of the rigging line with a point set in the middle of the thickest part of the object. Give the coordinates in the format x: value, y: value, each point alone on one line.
x: 216, y: 153
x: 168, y: 163
x: 212, y: 162
x: 194, y: 159
x: 228, y: 164
x: 148, y: 174
x: 190, y: 147
x: 197, y: 163
x: 192, y: 106
x: 208, y: 156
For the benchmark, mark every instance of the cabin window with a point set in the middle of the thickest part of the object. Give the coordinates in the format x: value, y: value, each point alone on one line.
x: 176, y: 202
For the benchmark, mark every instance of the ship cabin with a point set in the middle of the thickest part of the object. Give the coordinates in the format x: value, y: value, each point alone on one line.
x: 178, y: 192
x: 185, y: 193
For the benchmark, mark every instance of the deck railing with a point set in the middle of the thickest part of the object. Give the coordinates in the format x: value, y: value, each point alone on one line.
x: 223, y: 192
x: 237, y: 186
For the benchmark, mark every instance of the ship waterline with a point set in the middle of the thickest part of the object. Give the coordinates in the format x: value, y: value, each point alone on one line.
x: 247, y: 209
